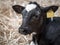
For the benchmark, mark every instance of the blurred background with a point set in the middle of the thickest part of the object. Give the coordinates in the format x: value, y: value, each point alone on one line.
x: 11, y: 21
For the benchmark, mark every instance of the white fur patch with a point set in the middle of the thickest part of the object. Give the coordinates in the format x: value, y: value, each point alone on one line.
x: 30, y: 7
x: 32, y: 43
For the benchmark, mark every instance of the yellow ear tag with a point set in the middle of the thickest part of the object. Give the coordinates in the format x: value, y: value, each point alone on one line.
x: 50, y: 14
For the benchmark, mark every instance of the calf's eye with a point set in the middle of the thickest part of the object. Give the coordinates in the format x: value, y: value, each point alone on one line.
x: 36, y: 16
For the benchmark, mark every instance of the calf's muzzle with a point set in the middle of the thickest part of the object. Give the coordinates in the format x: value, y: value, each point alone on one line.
x: 24, y: 30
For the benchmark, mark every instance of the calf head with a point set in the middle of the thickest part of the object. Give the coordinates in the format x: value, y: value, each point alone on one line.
x: 33, y: 17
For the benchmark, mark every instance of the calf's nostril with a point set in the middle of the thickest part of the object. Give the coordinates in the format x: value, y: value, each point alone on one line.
x: 21, y: 30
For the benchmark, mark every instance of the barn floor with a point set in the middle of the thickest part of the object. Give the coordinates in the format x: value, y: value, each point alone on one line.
x: 11, y: 21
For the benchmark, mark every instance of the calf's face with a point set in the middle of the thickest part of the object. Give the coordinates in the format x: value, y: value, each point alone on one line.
x: 33, y: 15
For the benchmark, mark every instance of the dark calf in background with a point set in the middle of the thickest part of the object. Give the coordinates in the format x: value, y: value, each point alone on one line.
x: 34, y: 20
x: 52, y: 34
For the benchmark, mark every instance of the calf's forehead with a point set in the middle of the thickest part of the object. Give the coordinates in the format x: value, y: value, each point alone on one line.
x: 31, y: 9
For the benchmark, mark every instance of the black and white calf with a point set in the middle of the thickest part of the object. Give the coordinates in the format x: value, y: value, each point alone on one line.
x: 35, y: 20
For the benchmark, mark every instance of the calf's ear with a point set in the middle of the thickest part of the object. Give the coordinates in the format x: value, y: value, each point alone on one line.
x: 50, y: 11
x: 53, y: 8
x: 18, y: 8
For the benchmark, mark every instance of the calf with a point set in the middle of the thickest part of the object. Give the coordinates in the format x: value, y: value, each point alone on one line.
x: 34, y: 20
